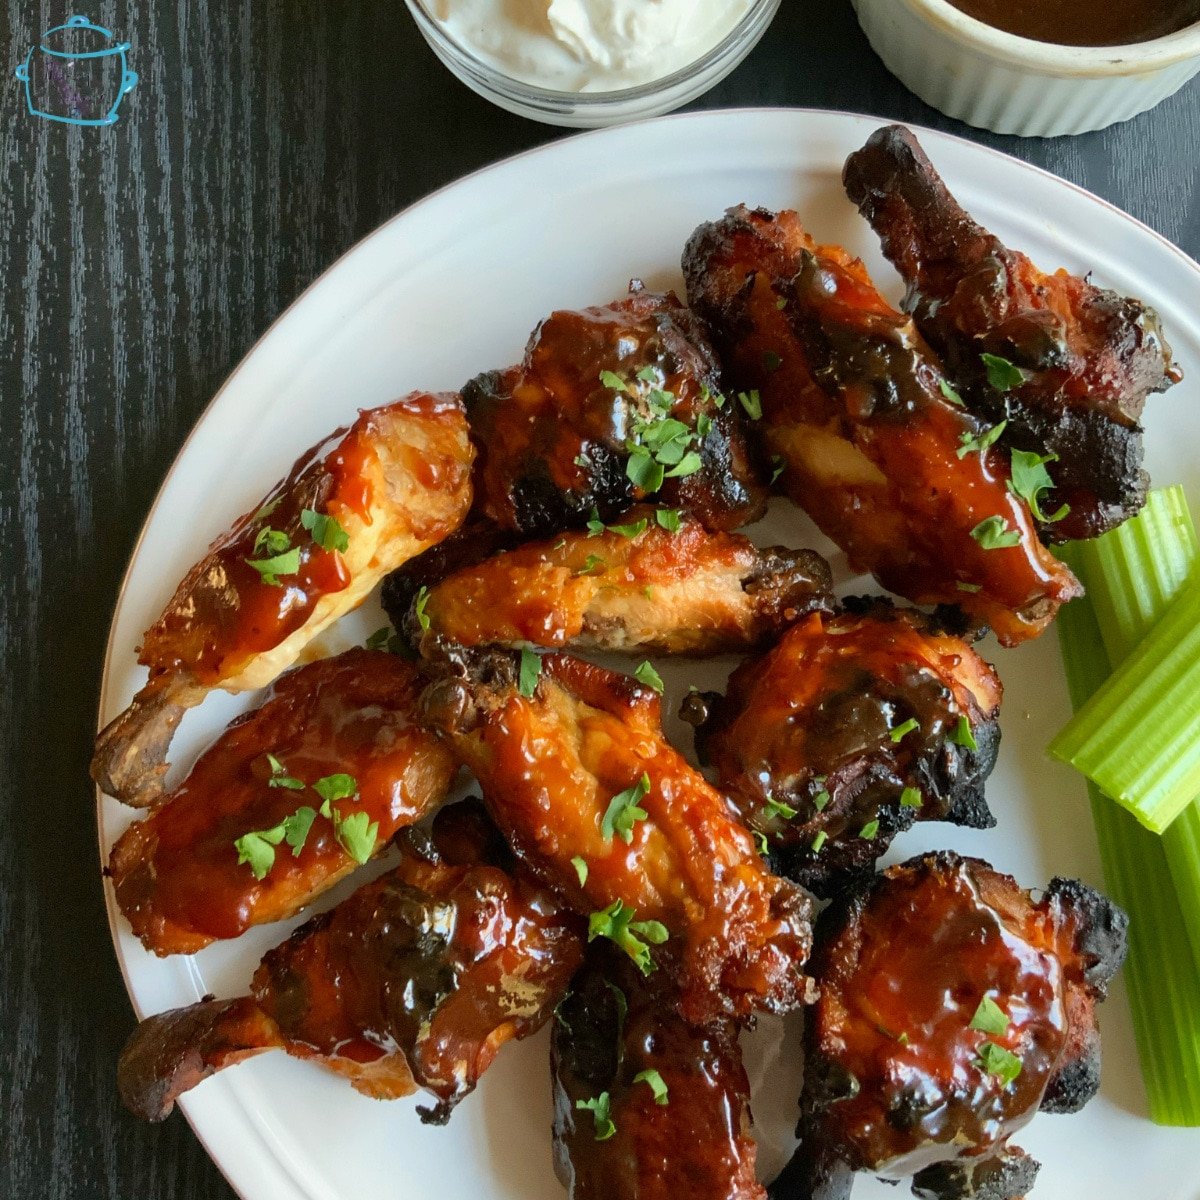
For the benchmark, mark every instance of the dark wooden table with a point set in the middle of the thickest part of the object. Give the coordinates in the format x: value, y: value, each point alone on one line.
x: 138, y: 264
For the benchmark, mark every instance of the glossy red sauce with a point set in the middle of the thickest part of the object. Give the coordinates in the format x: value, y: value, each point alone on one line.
x: 1083, y: 22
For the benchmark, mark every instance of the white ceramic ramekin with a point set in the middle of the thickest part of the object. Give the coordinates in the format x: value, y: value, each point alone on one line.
x: 1010, y: 84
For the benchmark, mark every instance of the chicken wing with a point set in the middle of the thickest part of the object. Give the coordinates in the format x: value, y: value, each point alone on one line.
x: 610, y: 405
x: 953, y: 1006
x: 1086, y: 357
x: 578, y: 776
x: 645, y: 1106
x: 416, y: 980
x: 848, y: 730
x: 287, y: 801
x: 352, y: 509
x: 655, y: 582
x: 858, y: 416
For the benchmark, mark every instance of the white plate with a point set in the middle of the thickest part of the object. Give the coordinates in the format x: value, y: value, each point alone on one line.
x: 454, y: 286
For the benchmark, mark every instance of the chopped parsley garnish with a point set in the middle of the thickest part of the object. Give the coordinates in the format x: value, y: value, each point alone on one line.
x: 582, y: 460
x: 821, y: 800
x: 962, y: 735
x: 258, y: 850
x: 781, y: 303
x: 273, y: 541
x: 777, y: 808
x: 581, y: 869
x: 356, y: 834
x: 379, y: 639
x: 777, y: 465
x: 752, y: 403
x: 623, y: 811
x: 760, y: 840
x: 419, y: 608
x: 266, y: 510
x: 868, y: 831
x: 287, y: 563
x: 993, y: 533
x: 656, y: 1083
x: 911, y: 798
x: 326, y: 531
x: 1001, y: 374
x: 1030, y: 479
x: 969, y: 443
x: 771, y: 361
x: 280, y: 778
x: 670, y: 519
x: 995, y: 1060
x: 601, y: 1110
x: 595, y: 526
x: 617, y: 924
x: 704, y: 424
x: 336, y: 787
x: 950, y: 393
x: 529, y: 673
x: 650, y: 374
x: 612, y: 380
x: 990, y: 1017
x: 649, y: 676
x: 644, y: 471
x: 970, y: 588
x: 689, y: 464
x: 902, y: 731
x: 631, y: 530
x: 818, y: 843
x: 591, y: 563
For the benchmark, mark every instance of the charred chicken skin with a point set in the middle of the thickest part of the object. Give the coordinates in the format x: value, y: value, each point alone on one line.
x: 577, y: 774
x: 645, y: 1106
x: 849, y: 729
x: 337, y: 735
x: 952, y: 1007
x: 609, y: 406
x: 869, y: 442
x: 352, y: 509
x: 1087, y: 357
x: 633, y: 586
x: 414, y: 981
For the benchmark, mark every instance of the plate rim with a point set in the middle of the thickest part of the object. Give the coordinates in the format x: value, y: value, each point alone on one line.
x: 199, y: 1121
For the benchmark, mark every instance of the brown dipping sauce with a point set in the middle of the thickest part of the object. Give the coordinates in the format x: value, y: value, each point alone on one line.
x: 1083, y: 22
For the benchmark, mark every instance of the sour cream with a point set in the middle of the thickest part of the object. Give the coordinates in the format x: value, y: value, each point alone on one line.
x: 588, y: 45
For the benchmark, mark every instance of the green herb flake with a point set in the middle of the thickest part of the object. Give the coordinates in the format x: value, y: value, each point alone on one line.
x: 781, y: 303
x: 649, y: 676
x: 380, y: 638
x: 997, y: 1061
x: 760, y: 840
x: 632, y: 530
x: 671, y: 519
x: 771, y: 361
x: 902, y: 731
x: 962, y: 735
x: 623, y: 811
x: 1001, y: 374
x: 581, y: 460
x: 270, y: 569
x: 336, y: 787
x: 257, y: 850
x: 1030, y: 480
x: 581, y: 869
x: 868, y: 831
x: 689, y: 464
x: 650, y: 375
x: 280, y: 778
x: 267, y: 509
x: 911, y: 798
x: 357, y: 835
x: 326, y: 531
x: 818, y: 843
x: 611, y: 380
x: 296, y: 828
x: 821, y: 800
x: 993, y: 533
x: 617, y: 924
x: 419, y: 608
x: 601, y: 1109
x: 752, y: 403
x: 595, y: 526
x: 590, y: 564
x: 969, y: 588
x: 969, y: 443
x: 950, y: 393
x: 777, y: 808
x: 656, y: 1084
x: 644, y: 471
x: 990, y: 1018
x: 272, y: 541
x: 704, y: 424
x: 777, y: 465
x: 530, y: 671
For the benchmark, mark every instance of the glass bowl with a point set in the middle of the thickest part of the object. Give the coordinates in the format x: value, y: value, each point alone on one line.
x: 590, y: 110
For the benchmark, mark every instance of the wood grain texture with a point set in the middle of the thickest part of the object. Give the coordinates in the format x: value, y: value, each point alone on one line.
x: 138, y: 264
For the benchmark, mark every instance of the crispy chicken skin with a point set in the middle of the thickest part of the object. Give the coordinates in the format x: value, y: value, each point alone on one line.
x: 554, y: 440
x: 854, y: 412
x: 1090, y: 357
x: 635, y: 587
x: 694, y: 1143
x: 416, y: 980
x: 907, y: 1071
x: 560, y: 771
x: 805, y: 741
x: 177, y: 874
x: 397, y: 481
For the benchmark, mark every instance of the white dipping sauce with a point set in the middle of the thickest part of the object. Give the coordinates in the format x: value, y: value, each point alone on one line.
x: 588, y: 45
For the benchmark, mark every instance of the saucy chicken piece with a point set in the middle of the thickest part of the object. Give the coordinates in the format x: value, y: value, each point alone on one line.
x: 848, y: 730
x: 868, y: 442
x: 577, y: 774
x: 414, y: 981
x: 645, y: 1106
x: 1086, y: 357
x: 353, y: 508
x: 640, y: 585
x: 245, y: 839
x: 611, y: 405
x: 952, y: 1007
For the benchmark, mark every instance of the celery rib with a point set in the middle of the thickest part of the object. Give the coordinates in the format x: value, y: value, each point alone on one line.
x: 1161, y: 974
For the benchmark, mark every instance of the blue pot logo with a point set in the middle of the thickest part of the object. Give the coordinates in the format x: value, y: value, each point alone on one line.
x: 76, y: 74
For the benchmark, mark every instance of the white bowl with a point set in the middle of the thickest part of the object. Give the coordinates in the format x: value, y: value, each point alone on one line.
x: 1010, y: 84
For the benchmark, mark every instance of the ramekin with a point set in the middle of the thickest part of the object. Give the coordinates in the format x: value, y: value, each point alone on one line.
x: 1010, y: 84
x: 590, y: 110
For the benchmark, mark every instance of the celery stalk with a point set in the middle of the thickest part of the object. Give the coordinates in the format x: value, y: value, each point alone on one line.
x: 1138, y: 737
x: 1132, y: 574
x: 1161, y: 974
